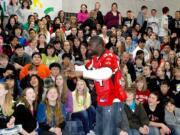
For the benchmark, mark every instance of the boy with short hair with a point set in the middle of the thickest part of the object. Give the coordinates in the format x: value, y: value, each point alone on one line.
x: 137, y: 117
x: 155, y: 112
x: 55, y: 70
x: 151, y: 79
x: 138, y: 66
x: 20, y: 58
x: 172, y: 116
x: 175, y: 86
x: 4, y: 64
x: 165, y: 90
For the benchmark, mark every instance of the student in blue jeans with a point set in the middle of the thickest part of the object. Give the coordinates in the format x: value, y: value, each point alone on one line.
x: 87, y: 118
x: 82, y: 109
x: 137, y: 117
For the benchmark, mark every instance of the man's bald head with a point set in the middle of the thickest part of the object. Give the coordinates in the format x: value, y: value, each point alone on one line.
x: 96, y: 45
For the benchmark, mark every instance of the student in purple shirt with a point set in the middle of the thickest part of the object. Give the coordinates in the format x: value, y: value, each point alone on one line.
x: 113, y: 17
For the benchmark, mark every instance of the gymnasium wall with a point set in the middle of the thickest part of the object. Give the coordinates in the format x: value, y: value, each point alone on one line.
x: 134, y: 5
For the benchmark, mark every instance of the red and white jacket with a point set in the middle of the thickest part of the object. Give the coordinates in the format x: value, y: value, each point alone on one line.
x: 107, y: 76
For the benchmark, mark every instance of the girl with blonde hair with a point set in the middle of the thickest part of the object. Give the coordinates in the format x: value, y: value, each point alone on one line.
x: 142, y: 93
x: 43, y: 30
x: 82, y: 108
x: 6, y: 108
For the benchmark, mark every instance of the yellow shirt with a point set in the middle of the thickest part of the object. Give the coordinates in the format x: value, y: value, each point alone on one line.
x: 47, y: 60
x: 78, y: 106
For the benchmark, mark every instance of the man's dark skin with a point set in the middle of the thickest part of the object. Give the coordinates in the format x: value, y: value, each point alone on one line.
x: 94, y: 48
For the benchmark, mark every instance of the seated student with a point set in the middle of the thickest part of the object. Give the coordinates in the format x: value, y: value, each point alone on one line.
x: 172, y: 116
x: 154, y: 64
x: 49, y: 56
x: 137, y: 117
x: 4, y: 64
x: 141, y: 46
x: 32, y: 47
x: 142, y: 93
x: 151, y: 79
x: 9, y: 70
x: 165, y: 90
x: 49, y: 114
x: 13, y: 86
x: 126, y: 75
x: 66, y: 62
x: 55, y: 70
x: 155, y: 113
x: 175, y: 86
x: 1, y: 42
x: 138, y: 66
x: 25, y: 112
x: 82, y: 108
x: 120, y: 120
x: 40, y: 69
x: 6, y: 108
x: 65, y: 94
x: 9, y: 49
x: 68, y: 65
x: 20, y: 58
x: 18, y: 33
x: 161, y: 76
x: 37, y: 84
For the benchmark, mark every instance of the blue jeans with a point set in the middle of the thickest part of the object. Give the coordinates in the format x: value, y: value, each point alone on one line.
x: 104, y: 120
x: 119, y: 118
x: 110, y: 120
x: 134, y: 132
x: 175, y: 130
x: 87, y: 117
x: 152, y: 131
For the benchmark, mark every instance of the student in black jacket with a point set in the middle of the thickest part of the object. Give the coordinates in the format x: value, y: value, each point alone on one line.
x: 99, y: 17
x: 25, y: 112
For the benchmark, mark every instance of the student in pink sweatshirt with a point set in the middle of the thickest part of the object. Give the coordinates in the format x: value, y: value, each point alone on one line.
x: 83, y: 15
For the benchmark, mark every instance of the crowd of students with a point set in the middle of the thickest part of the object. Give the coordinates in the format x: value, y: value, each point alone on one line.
x: 36, y: 53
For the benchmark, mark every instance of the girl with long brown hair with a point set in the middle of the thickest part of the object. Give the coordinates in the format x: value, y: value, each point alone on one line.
x: 65, y: 93
x: 25, y: 112
x: 49, y: 114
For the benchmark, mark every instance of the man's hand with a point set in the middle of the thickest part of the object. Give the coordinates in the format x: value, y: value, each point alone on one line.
x: 74, y: 74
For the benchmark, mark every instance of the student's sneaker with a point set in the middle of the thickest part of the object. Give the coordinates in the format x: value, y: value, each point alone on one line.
x: 91, y: 132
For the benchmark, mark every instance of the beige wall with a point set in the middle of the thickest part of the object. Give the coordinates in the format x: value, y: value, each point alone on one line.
x: 134, y: 5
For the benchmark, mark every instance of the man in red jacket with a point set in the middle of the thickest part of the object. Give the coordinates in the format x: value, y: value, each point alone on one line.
x: 103, y: 68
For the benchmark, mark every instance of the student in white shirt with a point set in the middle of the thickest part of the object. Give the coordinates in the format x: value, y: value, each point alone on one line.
x: 153, y: 21
x: 163, y: 31
x: 141, y: 46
